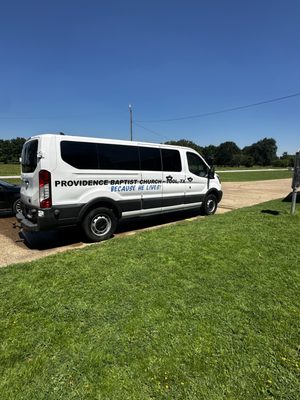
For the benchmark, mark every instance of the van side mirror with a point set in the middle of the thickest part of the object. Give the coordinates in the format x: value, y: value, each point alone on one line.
x: 211, y: 172
x: 210, y: 161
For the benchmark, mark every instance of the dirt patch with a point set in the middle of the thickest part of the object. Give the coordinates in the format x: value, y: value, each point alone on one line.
x: 17, y: 247
x: 244, y: 194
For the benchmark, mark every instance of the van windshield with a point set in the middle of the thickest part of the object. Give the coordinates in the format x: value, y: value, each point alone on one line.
x: 29, y: 156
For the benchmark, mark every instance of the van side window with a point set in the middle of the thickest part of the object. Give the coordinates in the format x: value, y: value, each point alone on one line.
x: 81, y: 155
x: 150, y: 159
x: 171, y: 160
x: 29, y: 156
x: 196, y: 165
x: 114, y: 156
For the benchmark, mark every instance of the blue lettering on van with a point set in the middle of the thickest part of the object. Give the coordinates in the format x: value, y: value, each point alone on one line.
x: 122, y: 188
x: 152, y: 187
x: 132, y: 188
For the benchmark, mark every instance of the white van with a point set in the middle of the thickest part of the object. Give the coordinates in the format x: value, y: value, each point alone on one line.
x: 93, y: 183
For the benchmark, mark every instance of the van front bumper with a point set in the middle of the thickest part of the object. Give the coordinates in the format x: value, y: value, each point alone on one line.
x: 220, y: 195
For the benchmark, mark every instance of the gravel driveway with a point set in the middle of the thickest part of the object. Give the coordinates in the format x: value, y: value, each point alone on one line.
x: 15, y: 249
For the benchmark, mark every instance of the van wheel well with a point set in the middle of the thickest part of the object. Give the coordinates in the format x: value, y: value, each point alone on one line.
x: 102, y: 204
x: 214, y: 192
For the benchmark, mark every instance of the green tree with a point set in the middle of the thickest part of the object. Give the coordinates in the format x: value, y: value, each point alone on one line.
x: 285, y: 161
x: 228, y: 154
x: 247, y: 160
x: 16, y: 148
x: 263, y: 152
x: 10, y: 150
x: 185, y: 143
x: 4, y: 151
x: 209, y: 152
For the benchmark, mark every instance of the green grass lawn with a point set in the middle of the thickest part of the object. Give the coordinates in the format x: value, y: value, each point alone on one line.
x: 205, y: 309
x: 10, y: 170
x: 242, y: 167
x: 254, y: 175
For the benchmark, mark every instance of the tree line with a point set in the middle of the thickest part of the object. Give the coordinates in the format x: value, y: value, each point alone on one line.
x: 227, y: 154
x: 10, y: 150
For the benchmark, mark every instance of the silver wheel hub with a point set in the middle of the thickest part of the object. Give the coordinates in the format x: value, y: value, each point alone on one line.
x: 18, y: 207
x: 211, y: 205
x: 100, y: 225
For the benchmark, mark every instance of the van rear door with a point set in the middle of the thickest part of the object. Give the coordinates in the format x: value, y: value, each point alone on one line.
x: 30, y: 179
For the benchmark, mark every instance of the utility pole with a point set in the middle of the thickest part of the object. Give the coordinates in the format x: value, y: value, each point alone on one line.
x: 295, y: 182
x: 130, y: 112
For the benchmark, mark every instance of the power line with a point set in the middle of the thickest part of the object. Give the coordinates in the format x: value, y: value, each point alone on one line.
x: 224, y: 111
x: 151, y: 131
x: 48, y: 117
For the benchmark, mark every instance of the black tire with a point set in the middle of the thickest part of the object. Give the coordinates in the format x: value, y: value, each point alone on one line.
x: 16, y: 208
x: 210, y: 204
x: 99, y: 224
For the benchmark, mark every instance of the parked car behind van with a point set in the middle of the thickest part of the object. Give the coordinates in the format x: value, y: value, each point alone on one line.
x: 94, y: 183
x: 10, y: 197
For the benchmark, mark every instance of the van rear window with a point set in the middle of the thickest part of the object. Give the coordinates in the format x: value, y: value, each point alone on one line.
x: 81, y: 155
x: 106, y: 156
x: 114, y: 156
x: 150, y: 159
x: 29, y: 156
x: 171, y: 160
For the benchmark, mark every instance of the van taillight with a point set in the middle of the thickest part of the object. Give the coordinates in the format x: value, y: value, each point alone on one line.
x: 45, y: 189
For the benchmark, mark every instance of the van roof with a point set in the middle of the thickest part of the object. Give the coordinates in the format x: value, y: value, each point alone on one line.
x: 106, y: 140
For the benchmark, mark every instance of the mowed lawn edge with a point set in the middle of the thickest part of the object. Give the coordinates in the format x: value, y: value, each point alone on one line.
x: 205, y: 309
x: 262, y: 175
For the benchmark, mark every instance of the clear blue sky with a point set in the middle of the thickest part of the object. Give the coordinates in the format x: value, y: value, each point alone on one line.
x: 74, y: 66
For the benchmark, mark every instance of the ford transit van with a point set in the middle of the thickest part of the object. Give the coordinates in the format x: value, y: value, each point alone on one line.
x: 93, y: 183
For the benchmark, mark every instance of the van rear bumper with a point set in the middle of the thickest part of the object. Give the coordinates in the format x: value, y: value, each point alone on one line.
x: 47, y: 219
x: 26, y: 224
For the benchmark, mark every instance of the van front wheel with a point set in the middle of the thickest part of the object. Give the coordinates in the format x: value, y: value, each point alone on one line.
x: 99, y: 224
x: 210, y: 204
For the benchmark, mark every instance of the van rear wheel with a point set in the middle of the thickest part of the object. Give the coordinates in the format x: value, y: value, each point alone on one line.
x: 210, y: 204
x: 99, y: 224
x: 17, y: 206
